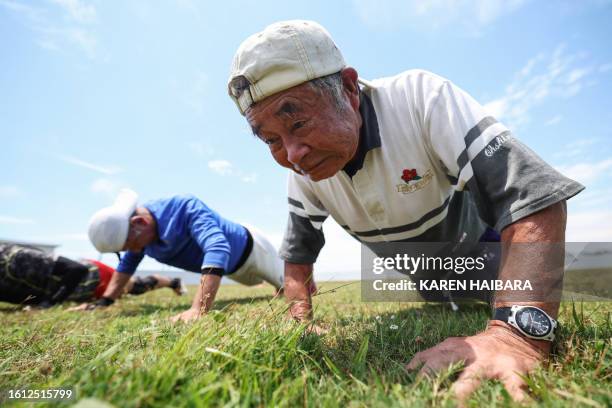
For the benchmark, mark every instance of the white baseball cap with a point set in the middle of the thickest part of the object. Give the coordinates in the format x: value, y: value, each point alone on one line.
x: 109, y: 227
x: 283, y: 55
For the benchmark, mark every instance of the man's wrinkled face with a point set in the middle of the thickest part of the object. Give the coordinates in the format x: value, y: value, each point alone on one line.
x: 306, y: 131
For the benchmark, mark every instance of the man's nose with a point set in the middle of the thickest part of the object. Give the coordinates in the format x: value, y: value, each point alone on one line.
x: 296, y: 150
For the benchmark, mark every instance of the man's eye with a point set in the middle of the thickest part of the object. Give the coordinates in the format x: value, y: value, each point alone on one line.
x: 297, y: 125
x: 271, y: 142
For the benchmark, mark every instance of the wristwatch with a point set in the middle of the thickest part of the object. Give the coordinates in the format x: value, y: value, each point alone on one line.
x: 531, y: 321
x: 102, y: 302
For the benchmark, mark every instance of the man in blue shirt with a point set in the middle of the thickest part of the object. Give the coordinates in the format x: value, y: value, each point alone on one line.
x: 183, y: 232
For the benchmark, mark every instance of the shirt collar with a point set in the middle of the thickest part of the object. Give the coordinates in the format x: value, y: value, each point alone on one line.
x: 369, y: 136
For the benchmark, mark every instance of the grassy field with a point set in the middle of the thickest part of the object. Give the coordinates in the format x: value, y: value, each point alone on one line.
x: 245, y: 353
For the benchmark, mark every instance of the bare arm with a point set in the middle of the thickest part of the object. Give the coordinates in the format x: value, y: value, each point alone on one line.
x: 205, y: 296
x: 547, y: 229
x: 203, y: 300
x: 113, y: 291
x: 116, y: 286
x: 297, y: 284
x: 541, y: 263
x: 499, y: 352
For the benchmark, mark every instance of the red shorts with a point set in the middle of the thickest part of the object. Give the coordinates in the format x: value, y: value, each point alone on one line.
x: 106, y: 272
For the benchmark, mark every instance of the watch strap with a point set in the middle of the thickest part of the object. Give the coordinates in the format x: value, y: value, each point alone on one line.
x: 502, y: 313
x: 211, y: 270
x: 104, y: 302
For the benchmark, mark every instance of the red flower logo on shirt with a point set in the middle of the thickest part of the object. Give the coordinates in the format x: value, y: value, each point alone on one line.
x: 409, y: 175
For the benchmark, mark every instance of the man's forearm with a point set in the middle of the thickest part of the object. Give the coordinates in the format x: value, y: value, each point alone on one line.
x: 298, y: 278
x: 115, y: 287
x: 542, y: 263
x: 204, y: 298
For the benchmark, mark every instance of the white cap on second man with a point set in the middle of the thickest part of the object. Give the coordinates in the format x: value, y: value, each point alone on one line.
x: 109, y: 227
x: 283, y: 55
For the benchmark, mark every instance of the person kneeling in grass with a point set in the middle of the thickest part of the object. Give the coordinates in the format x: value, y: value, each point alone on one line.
x: 183, y: 232
x: 31, y: 277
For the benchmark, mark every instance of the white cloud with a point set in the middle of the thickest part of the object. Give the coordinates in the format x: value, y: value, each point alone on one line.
x: 9, y: 191
x: 104, y: 186
x: 591, y: 198
x: 468, y: 15
x: 576, y: 74
x: 222, y: 167
x: 57, y: 38
x: 589, y: 226
x: 107, y: 170
x: 225, y: 168
x: 78, y: 10
x: 29, y: 12
x: 576, y: 148
x: 605, y: 68
x: 582, y: 143
x: 85, y: 40
x: 587, y: 172
x: 51, y: 34
x: 249, y: 178
x: 4, y: 219
x: 557, y: 74
x: 554, y: 120
x: 48, y: 44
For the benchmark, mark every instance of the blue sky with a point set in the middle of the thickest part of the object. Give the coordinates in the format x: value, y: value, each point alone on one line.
x: 99, y: 95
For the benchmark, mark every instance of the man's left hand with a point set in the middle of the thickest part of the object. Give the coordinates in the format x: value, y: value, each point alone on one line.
x: 81, y: 307
x: 187, y: 316
x: 496, y: 353
x: 100, y: 303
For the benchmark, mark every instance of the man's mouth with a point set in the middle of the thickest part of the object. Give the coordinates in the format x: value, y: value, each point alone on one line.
x: 310, y: 169
x: 298, y: 169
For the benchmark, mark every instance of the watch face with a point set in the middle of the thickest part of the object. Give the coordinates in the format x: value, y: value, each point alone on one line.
x: 533, y: 321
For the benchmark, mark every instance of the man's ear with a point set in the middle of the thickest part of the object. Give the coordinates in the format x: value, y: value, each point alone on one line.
x: 138, y: 220
x: 351, y: 87
x: 349, y: 78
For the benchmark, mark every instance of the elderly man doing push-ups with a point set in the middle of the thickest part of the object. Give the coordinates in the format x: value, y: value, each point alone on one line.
x: 183, y: 232
x: 408, y: 158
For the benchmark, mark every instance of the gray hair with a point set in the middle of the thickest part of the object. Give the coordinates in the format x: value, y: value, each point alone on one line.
x: 332, y: 86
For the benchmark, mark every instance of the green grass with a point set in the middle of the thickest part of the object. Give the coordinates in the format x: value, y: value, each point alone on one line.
x: 246, y: 354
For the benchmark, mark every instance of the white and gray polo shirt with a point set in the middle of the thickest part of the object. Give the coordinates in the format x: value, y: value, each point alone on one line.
x: 432, y: 166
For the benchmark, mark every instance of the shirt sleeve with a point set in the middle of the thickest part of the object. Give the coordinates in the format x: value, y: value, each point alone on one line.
x: 205, y: 230
x: 304, y: 237
x: 129, y: 262
x: 507, y: 180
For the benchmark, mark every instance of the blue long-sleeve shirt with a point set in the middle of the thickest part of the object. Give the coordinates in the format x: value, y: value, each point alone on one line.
x: 190, y: 236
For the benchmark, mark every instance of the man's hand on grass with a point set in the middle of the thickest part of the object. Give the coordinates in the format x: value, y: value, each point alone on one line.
x: 496, y: 353
x: 316, y: 329
x: 187, y: 316
x: 100, y: 303
x: 81, y: 307
x: 204, y: 298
